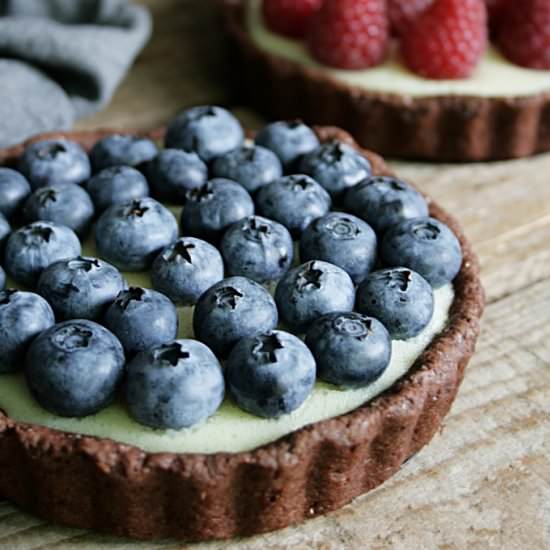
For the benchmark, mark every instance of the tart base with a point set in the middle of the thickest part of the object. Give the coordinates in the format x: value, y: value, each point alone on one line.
x: 113, y: 488
x: 444, y: 128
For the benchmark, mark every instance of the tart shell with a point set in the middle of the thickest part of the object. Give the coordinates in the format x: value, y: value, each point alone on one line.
x: 114, y: 488
x: 442, y: 128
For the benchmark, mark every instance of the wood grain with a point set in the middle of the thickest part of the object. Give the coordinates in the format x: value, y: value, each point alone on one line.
x: 484, y: 482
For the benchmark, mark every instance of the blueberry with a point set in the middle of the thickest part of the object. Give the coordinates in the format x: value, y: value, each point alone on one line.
x: 232, y: 309
x: 351, y: 350
x: 80, y: 288
x: 122, y: 150
x: 141, y: 319
x: 5, y: 231
x: 425, y: 245
x: 336, y: 166
x: 186, y: 269
x: 117, y: 185
x: 206, y: 130
x: 2, y: 279
x: 175, y: 385
x: 73, y: 369
x: 294, y: 201
x: 14, y: 190
x: 131, y: 235
x: 54, y: 161
x: 211, y: 209
x: 311, y: 290
x: 23, y: 316
x: 250, y: 165
x: 34, y: 247
x: 343, y: 240
x: 288, y: 140
x: 257, y: 248
x: 173, y: 172
x: 270, y: 374
x: 400, y: 298
x: 384, y: 201
x: 65, y: 204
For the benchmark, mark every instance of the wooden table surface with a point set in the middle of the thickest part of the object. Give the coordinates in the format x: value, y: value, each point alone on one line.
x: 484, y: 481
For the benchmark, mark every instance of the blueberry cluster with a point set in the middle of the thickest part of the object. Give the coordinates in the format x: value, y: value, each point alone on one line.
x: 369, y: 258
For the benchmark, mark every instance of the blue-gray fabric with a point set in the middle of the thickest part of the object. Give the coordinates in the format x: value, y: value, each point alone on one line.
x: 63, y: 59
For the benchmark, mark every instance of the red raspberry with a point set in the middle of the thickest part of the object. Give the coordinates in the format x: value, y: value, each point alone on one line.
x: 403, y: 12
x: 290, y: 17
x: 447, y: 40
x: 523, y: 33
x: 349, y: 34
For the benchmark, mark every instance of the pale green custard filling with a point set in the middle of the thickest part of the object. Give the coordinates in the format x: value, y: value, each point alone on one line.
x: 230, y: 429
x: 494, y: 76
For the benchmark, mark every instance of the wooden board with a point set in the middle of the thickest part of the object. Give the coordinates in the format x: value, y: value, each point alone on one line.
x: 484, y: 481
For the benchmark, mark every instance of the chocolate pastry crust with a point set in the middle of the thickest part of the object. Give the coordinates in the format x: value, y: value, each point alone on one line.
x: 443, y: 128
x: 113, y: 488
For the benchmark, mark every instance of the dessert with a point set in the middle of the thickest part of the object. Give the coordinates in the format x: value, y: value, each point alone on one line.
x: 500, y: 111
x: 163, y: 452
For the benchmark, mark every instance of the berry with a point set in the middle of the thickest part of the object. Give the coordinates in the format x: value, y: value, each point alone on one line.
x: 5, y: 231
x: 14, y: 190
x: 2, y: 279
x: 398, y: 297
x: 73, y: 369
x: 447, y: 40
x: 403, y: 12
x: 122, y: 150
x: 132, y: 235
x: 23, y: 316
x: 522, y: 32
x: 54, y: 161
x: 349, y: 34
x: 65, y: 204
x: 80, y: 288
x: 288, y: 140
x: 336, y: 166
x: 343, y: 240
x: 250, y: 165
x: 208, y: 131
x: 141, y: 319
x: 117, y: 185
x: 173, y: 172
x: 270, y: 374
x: 186, y: 269
x: 351, y: 350
x: 212, y: 208
x: 426, y: 246
x: 294, y: 201
x: 34, y: 247
x: 175, y: 385
x: 290, y: 17
x: 233, y: 309
x: 257, y: 248
x: 311, y: 290
x: 384, y: 201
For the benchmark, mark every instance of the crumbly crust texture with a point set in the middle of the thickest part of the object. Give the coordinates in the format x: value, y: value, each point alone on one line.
x: 106, y: 486
x: 445, y: 128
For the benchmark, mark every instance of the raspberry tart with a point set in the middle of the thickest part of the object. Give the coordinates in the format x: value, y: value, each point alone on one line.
x: 419, y: 80
x: 341, y: 353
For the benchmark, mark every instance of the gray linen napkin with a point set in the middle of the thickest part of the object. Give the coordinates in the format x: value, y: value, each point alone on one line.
x: 62, y: 59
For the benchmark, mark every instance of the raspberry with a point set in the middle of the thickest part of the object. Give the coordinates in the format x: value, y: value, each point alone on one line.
x: 523, y: 33
x: 403, y: 12
x: 350, y: 34
x: 447, y: 40
x: 290, y: 17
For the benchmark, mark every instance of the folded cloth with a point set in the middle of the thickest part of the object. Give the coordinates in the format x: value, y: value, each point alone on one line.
x: 62, y: 59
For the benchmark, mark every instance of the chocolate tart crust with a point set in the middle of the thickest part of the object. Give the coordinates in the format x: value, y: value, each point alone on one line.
x: 443, y: 128
x: 106, y: 486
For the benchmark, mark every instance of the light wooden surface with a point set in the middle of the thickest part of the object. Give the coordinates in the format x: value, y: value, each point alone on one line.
x: 484, y: 481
